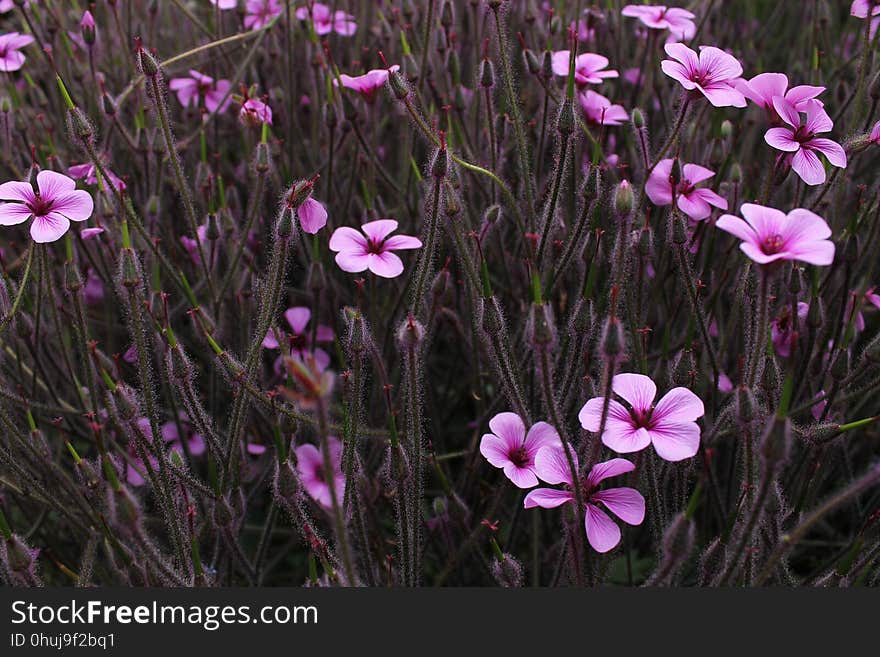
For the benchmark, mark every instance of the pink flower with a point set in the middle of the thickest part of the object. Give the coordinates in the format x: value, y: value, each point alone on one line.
x: 874, y: 138
x: 871, y: 297
x: 326, y: 21
x: 225, y: 4
x: 317, y: 482
x: 587, y: 67
x: 53, y: 205
x: 551, y: 465
x: 801, y: 140
x: 89, y: 173
x: 10, y: 44
x: 763, y: 88
x: 713, y: 73
x: 691, y: 200
x: 367, y: 84
x: 355, y: 252
x: 194, y: 442
x: 312, y: 215
x: 509, y: 447
x: 599, y: 109
x: 90, y: 233
x: 255, y: 112
x: 670, y: 425
x: 769, y: 235
x: 679, y: 22
x: 199, y: 86
x: 861, y: 8
x: 261, y: 12
x: 87, y: 27
x: 781, y: 328
x: 192, y: 245
x: 300, y: 339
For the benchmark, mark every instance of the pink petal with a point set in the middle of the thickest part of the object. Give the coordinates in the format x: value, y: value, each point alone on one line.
x: 723, y: 95
x: 312, y: 216
x: 786, y: 111
x: 797, y: 95
x: 552, y: 466
x: 817, y: 118
x: 559, y: 61
x: 677, y: 71
x: 297, y: 318
x: 765, y: 221
x: 353, y: 262
x: 76, y: 205
x: 270, y: 341
x: 495, y: 450
x: 694, y: 206
x: 696, y: 174
x: 386, y: 265
x: 625, y: 437
x: 678, y: 405
x: 398, y: 242
x: 658, y: 188
x: 674, y: 441
x: 49, y: 228
x: 736, y: 227
x: 718, y: 64
x: 807, y: 165
x: 608, y: 469
x: 832, y: 150
x: 638, y: 389
x: 626, y: 503
x: 345, y: 238
x: 590, y: 414
x: 16, y: 190
x: 547, y: 498
x: 510, y: 428
x: 782, y: 139
x: 378, y: 230
x: 602, y: 533
x: 539, y: 435
x: 761, y: 88
x: 687, y: 57
x: 14, y: 213
x: 711, y: 198
x: 521, y: 477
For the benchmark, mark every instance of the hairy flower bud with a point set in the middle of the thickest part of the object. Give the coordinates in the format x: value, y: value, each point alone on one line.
x: 147, y: 63
x: 540, y: 327
x: 507, y: 571
x: 638, y: 118
x: 623, y: 199
x: 398, y: 85
x: 613, y: 341
x: 487, y: 74
x: 565, y: 119
x: 410, y: 333
x: 745, y: 405
x: 775, y: 444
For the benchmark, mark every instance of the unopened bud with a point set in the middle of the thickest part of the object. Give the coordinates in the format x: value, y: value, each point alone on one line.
x: 776, y: 442
x: 507, y: 571
x: 623, y: 199
x: 540, y: 327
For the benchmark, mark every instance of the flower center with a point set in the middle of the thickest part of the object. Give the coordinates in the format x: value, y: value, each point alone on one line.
x: 40, y: 206
x: 802, y: 135
x: 297, y: 342
x: 375, y: 246
x: 519, y: 457
x: 642, y: 418
x: 685, y: 187
x: 773, y: 244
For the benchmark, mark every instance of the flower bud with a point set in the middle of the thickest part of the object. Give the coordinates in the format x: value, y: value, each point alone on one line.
x: 410, y: 334
x: 398, y: 85
x: 745, y: 405
x: 440, y: 165
x: 87, y: 28
x: 565, y: 118
x: 684, y: 369
x: 487, y: 74
x: 20, y: 557
x: 736, y: 173
x: 507, y: 571
x: 613, y: 341
x: 129, y: 269
x: 284, y: 223
x: 540, y: 327
x: 447, y: 18
x: 776, y: 442
x: 532, y: 63
x: 726, y: 129
x: 623, y: 199
x: 147, y: 63
x: 638, y: 118
x: 79, y: 126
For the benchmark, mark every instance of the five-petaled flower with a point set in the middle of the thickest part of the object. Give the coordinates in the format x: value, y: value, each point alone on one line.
x: 53, y: 205
x: 371, y: 249
x: 670, y: 424
x: 553, y: 467
x: 261, y: 12
x: 509, y: 447
x: 326, y: 20
x: 368, y: 84
x: 89, y: 172
x: 10, y: 44
x: 199, y: 86
x: 313, y: 475
x: 799, y: 138
x: 712, y: 73
x: 679, y: 22
x: 588, y: 67
x: 769, y: 235
x: 599, y: 110
x: 694, y: 201
x: 300, y: 338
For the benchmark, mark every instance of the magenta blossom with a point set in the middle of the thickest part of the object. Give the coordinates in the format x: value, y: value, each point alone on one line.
x: 261, y: 12
x: 693, y: 201
x: 588, y: 67
x: 874, y: 137
x: 255, y: 112
x: 800, y: 139
x: 371, y: 249
x: 198, y: 86
x: 782, y: 328
x: 509, y: 447
x: 326, y: 21
x: 10, y: 44
x: 679, y: 22
x: 670, y: 424
x: 225, y: 4
x: 862, y: 8
x: 89, y: 173
x: 314, y: 478
x: 599, y: 110
x: 552, y: 466
x: 713, y: 73
x: 763, y: 88
x: 192, y: 245
x: 52, y: 205
x: 195, y: 443
x: 769, y: 235
x: 367, y: 84
x: 312, y: 215
x: 300, y: 338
